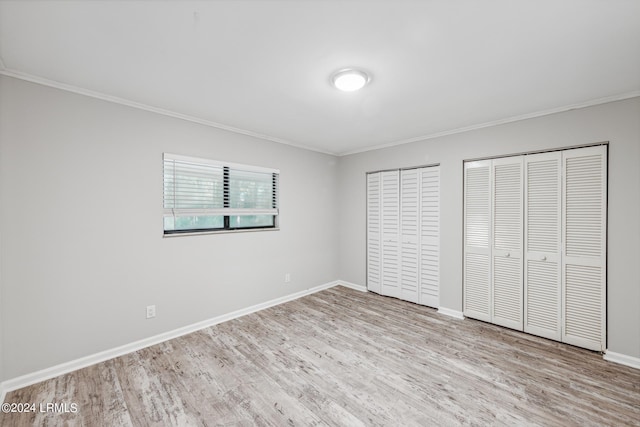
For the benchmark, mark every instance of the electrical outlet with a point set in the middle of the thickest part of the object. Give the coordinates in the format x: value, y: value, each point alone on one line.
x: 151, y: 311
x: 287, y: 278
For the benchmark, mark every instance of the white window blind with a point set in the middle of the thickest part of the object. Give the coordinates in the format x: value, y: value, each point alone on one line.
x: 202, y: 194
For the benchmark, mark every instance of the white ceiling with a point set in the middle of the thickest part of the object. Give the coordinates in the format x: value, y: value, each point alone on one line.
x: 262, y: 67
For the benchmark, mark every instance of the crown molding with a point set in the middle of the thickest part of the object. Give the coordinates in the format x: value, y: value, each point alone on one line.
x: 138, y: 105
x: 141, y: 106
x: 577, y: 106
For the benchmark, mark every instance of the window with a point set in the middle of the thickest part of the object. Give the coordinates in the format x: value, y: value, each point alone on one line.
x: 203, y: 195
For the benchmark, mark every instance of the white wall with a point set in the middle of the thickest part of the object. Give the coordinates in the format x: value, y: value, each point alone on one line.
x: 1, y: 309
x: 3, y: 111
x: 617, y: 122
x: 82, y: 249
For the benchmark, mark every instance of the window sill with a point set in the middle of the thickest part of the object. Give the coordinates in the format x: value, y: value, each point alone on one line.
x: 201, y: 233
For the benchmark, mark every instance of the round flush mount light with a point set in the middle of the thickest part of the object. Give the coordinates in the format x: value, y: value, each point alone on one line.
x: 349, y: 79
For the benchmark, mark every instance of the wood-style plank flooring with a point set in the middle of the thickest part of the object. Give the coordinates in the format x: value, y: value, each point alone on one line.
x: 347, y: 358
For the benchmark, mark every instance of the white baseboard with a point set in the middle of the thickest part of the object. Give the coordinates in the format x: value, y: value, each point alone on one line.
x: 622, y: 359
x: 352, y: 286
x: 3, y: 393
x: 83, y: 362
x: 452, y: 313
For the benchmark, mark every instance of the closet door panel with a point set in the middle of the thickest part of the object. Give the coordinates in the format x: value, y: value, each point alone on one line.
x: 535, y: 244
x: 542, y: 279
x: 507, y: 248
x: 584, y: 258
x: 430, y: 236
x: 374, y: 220
x: 477, y: 240
x: 391, y: 233
x: 409, y: 242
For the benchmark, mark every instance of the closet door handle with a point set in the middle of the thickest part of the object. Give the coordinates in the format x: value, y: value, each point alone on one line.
x: 544, y: 258
x: 508, y: 254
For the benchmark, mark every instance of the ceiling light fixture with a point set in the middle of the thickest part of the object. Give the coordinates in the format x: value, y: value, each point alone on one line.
x: 349, y: 80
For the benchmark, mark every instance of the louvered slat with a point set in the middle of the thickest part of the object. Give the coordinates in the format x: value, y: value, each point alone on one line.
x: 477, y: 226
x: 374, y: 244
x: 583, y: 206
x: 507, y: 292
x: 430, y: 275
x: 409, y: 203
x: 430, y: 202
x: 409, y: 270
x: 543, y: 204
x: 584, y: 257
x: 476, y: 291
x: 430, y: 236
x: 542, y: 279
x: 390, y: 233
x: 583, y: 310
x: 507, y: 285
x: 477, y: 207
x: 542, y: 314
x: 507, y: 202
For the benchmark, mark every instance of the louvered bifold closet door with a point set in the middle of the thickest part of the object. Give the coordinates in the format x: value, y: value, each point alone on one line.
x: 374, y: 221
x: 507, y: 239
x: 430, y: 236
x: 584, y: 257
x: 409, y: 263
x: 390, y: 233
x: 542, y: 234
x: 477, y: 240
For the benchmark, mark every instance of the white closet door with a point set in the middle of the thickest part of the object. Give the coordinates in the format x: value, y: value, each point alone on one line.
x: 409, y: 263
x: 430, y: 236
x: 374, y: 220
x: 477, y: 240
x: 391, y: 233
x: 542, y: 283
x: 584, y: 256
x: 507, y: 244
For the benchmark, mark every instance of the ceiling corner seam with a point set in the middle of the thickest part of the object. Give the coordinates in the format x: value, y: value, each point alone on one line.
x: 145, y: 107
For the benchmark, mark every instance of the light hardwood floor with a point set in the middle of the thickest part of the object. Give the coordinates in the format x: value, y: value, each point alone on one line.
x: 343, y: 357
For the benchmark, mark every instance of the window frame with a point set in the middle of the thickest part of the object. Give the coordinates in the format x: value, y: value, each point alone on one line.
x: 226, y: 211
